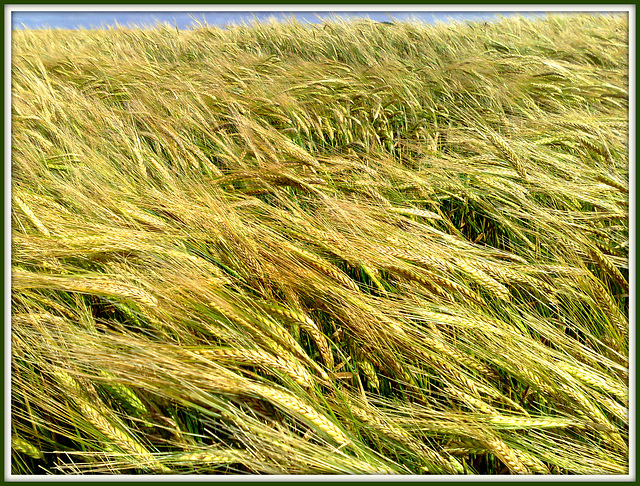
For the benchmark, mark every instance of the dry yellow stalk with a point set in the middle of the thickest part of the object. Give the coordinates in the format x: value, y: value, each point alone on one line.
x: 284, y: 337
x: 620, y: 411
x: 419, y: 278
x: 591, y: 144
x: 22, y: 279
x: 265, y: 145
x: 374, y: 313
x: 584, y: 127
x: 508, y: 276
x: 213, y: 457
x: 49, y: 303
x: 585, y: 407
x: 256, y: 357
x: 240, y: 176
x: 506, y: 189
x: 166, y: 176
x: 494, y: 252
x: 533, y: 463
x: 532, y: 422
x: 394, y: 432
x: 551, y: 269
x: 485, y: 280
x: 310, y: 327
x: 374, y: 275
x: 376, y: 196
x: 324, y: 266
x: 609, y: 268
x: 32, y: 217
x: 604, y: 300
x: 143, y: 217
x: 125, y: 242
x: 266, y: 338
x: 415, y: 258
x: 507, y: 455
x: 592, y: 378
x: 545, y: 87
x: 362, y: 466
x: 462, y: 380
x: 100, y: 419
x: 38, y: 317
x: 244, y: 251
x: 533, y: 379
x: 469, y: 295
x: 292, y: 403
x: 468, y: 361
x: 612, y: 182
x: 370, y: 372
x: 279, y: 331
x: 484, y: 324
x: 473, y: 402
x: 508, y: 153
x: 295, y: 151
x: 591, y: 413
x: 416, y: 212
x: 346, y: 165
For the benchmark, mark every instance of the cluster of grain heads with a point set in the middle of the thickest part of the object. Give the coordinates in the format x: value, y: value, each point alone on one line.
x: 261, y: 359
x: 95, y: 286
x: 106, y: 423
x: 343, y: 248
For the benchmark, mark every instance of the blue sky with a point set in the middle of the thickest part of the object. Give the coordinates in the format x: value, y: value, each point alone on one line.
x: 185, y: 19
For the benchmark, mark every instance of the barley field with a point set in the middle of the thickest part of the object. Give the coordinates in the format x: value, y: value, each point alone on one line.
x: 338, y: 248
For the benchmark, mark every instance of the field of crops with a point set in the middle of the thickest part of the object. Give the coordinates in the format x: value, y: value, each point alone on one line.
x: 339, y: 248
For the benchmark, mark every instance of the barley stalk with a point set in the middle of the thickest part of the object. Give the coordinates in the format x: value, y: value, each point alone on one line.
x: 507, y: 275
x: 605, y: 179
x: 416, y: 212
x: 428, y: 283
x: 310, y: 327
x: 604, y: 300
x: 126, y: 394
x: 595, y: 380
x: 291, y: 403
x: 397, y: 434
x: 19, y: 444
x: 144, y: 217
x: 586, y: 408
x: 213, y: 457
x: 38, y: 317
x: 603, y: 262
x: 464, y: 291
x: 97, y: 286
x: 508, y: 153
x: 533, y: 422
x: 297, y: 152
x: 468, y: 361
x: 32, y: 217
x: 268, y: 339
x: 485, y: 280
x: 256, y: 357
x: 324, y: 266
x: 98, y: 418
x: 423, y: 259
x: 466, y: 450
x: 507, y: 455
x: 474, y: 402
x: 370, y: 372
x: 532, y: 462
